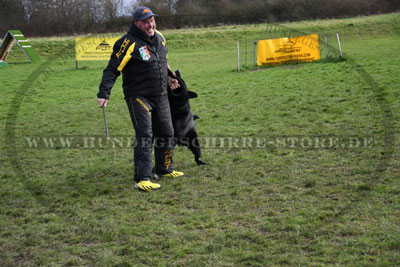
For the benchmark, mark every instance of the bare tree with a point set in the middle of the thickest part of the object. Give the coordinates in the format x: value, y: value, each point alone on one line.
x: 53, y: 17
x: 110, y: 9
x: 12, y: 15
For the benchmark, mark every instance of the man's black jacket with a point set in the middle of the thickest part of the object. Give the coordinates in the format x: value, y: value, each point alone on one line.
x: 143, y: 63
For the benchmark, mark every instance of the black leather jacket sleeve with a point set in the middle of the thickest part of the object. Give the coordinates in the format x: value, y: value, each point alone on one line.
x: 111, y: 72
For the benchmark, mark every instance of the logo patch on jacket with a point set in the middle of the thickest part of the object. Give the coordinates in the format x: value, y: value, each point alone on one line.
x: 144, y: 53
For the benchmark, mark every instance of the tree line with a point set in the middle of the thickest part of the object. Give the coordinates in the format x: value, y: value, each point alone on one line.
x: 66, y: 17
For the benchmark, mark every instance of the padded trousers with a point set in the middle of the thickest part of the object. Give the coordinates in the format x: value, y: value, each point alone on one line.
x: 151, y: 119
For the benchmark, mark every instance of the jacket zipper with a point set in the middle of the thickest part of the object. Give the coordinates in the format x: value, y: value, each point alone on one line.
x: 159, y: 66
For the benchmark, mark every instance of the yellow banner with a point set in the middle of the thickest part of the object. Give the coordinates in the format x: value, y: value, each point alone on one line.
x: 94, y: 48
x: 288, y: 50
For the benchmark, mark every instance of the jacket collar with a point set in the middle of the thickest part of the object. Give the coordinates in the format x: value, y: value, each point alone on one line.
x: 135, y: 31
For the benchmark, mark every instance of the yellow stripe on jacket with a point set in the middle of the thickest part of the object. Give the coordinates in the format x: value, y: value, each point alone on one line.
x: 127, y: 57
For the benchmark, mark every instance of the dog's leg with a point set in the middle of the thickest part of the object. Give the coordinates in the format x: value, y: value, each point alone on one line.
x: 194, y: 146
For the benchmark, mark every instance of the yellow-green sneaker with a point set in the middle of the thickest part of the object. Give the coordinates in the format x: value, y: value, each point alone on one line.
x: 173, y: 174
x: 147, y: 186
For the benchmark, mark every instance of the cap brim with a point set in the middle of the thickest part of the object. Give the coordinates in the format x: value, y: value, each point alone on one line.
x: 146, y: 16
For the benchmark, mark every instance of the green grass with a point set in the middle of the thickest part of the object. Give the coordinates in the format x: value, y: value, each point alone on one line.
x: 250, y: 206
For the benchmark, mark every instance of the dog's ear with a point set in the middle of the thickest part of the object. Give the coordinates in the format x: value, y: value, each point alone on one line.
x: 192, y: 94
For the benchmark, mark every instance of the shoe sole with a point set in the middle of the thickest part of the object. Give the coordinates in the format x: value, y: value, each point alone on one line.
x: 151, y: 189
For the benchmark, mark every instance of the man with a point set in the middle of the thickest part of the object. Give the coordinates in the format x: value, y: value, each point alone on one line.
x: 141, y: 56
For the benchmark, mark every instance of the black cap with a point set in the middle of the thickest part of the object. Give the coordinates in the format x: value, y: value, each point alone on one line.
x: 142, y: 13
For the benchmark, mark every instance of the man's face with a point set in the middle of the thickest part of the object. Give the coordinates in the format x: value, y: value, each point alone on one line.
x: 148, y: 26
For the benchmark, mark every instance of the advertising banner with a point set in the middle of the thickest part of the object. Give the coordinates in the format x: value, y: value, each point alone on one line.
x: 288, y: 50
x: 94, y: 48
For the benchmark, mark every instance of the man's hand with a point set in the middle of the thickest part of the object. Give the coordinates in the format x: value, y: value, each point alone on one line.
x: 173, y: 83
x: 102, y: 102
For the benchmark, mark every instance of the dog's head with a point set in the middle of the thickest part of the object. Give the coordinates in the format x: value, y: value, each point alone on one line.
x: 182, y: 91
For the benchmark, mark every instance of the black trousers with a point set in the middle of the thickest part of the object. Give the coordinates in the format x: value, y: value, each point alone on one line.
x: 151, y: 119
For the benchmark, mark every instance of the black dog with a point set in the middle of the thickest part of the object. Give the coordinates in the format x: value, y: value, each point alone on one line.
x: 183, y: 118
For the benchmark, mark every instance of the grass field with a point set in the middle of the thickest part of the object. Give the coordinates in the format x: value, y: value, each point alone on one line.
x: 303, y: 160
